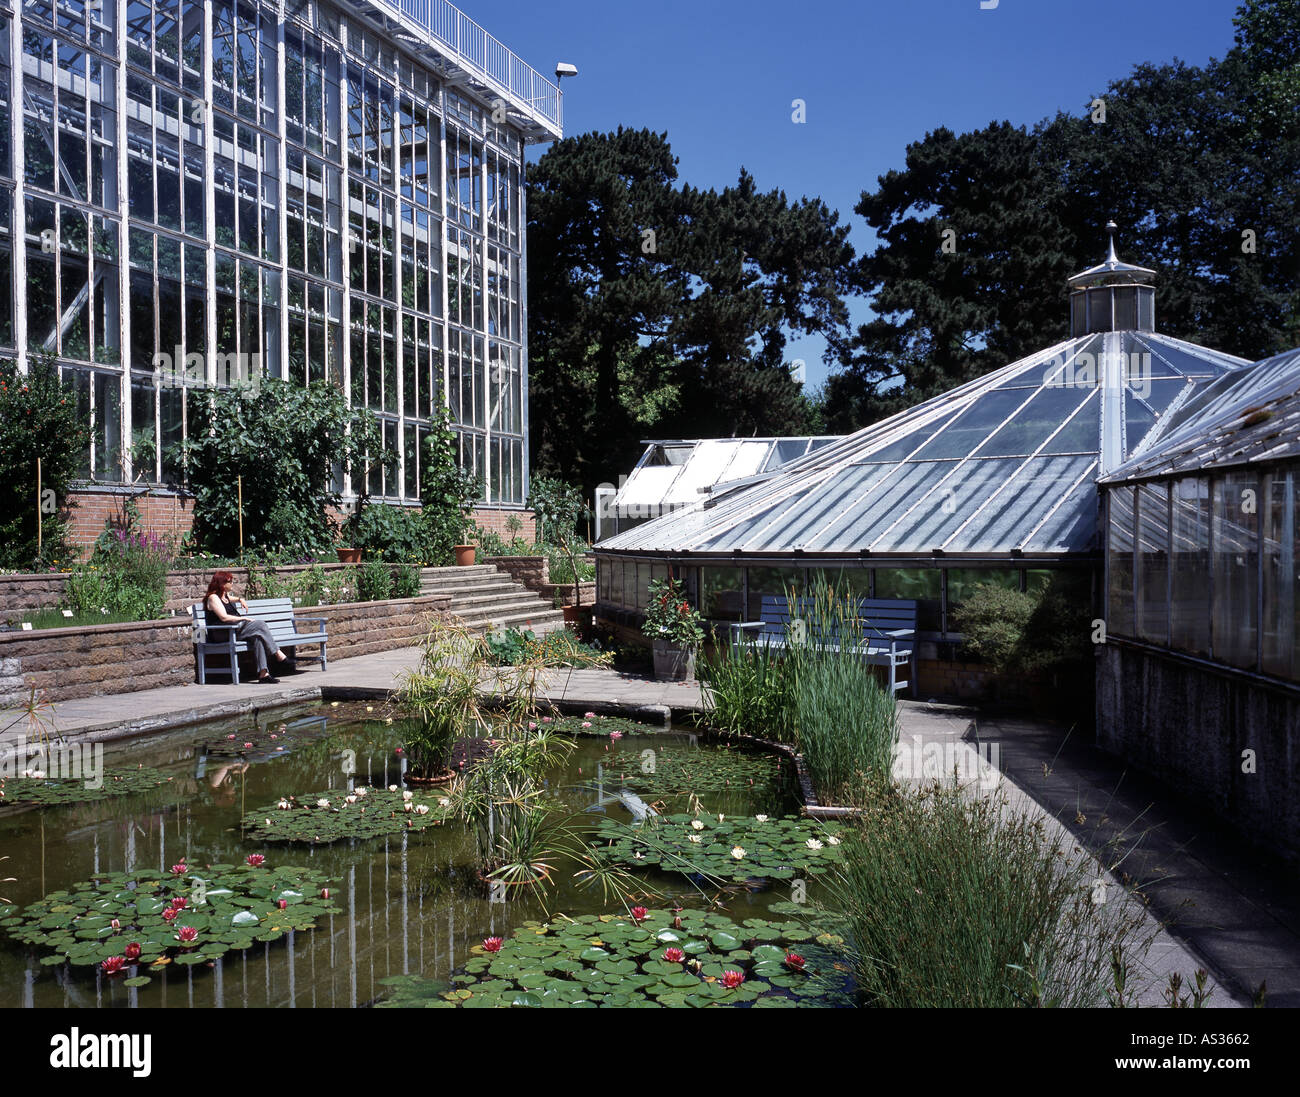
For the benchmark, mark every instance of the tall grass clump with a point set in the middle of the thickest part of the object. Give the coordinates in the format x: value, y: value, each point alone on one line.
x: 749, y: 691
x: 846, y: 723
x: 953, y: 900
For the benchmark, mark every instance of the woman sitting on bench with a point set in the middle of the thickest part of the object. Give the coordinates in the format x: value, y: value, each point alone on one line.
x: 222, y: 610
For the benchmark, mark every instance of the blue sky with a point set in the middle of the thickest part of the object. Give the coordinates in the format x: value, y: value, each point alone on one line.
x: 720, y: 77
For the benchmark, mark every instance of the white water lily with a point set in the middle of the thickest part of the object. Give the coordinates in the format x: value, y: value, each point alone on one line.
x: 737, y: 852
x: 407, y: 794
x: 721, y: 817
x: 812, y: 843
x: 408, y: 806
x: 421, y: 809
x: 444, y: 803
x: 832, y: 840
x: 322, y: 803
x: 284, y: 805
x: 696, y: 825
x: 361, y: 790
x: 349, y: 799
x: 392, y: 788
x: 760, y: 818
x: 35, y: 773
x: 695, y: 838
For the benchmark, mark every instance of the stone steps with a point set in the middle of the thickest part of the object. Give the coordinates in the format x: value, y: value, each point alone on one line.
x: 486, y: 599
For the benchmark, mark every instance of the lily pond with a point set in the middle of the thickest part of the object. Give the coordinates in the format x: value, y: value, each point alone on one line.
x: 283, y: 860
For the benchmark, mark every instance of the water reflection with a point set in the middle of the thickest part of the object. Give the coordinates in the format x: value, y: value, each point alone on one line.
x: 412, y: 903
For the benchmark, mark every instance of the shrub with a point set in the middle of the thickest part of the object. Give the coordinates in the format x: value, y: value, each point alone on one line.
x: 559, y: 507
x: 955, y: 901
x: 406, y: 581
x: 1043, y: 631
x: 374, y: 581
x: 670, y: 617
x: 39, y: 417
x: 390, y: 533
x: 126, y: 577
x: 748, y: 691
x: 285, y: 441
x: 558, y: 648
x: 447, y: 492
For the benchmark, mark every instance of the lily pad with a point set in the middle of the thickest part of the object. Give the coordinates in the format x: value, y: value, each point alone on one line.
x: 337, y: 814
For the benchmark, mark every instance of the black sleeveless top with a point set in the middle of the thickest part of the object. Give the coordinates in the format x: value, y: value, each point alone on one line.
x: 212, y: 619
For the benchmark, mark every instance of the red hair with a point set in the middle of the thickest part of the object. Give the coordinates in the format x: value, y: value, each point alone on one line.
x: 219, y: 580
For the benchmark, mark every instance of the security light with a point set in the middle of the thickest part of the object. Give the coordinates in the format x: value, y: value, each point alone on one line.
x: 564, y: 69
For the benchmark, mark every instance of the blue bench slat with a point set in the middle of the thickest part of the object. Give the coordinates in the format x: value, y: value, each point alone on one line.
x: 278, y: 615
x: 887, y: 635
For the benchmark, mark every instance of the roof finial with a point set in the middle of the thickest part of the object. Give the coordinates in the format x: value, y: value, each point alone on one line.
x: 1111, y: 229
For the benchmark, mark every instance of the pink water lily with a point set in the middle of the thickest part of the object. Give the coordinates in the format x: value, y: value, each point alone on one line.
x: 187, y: 935
x: 640, y: 914
x: 255, y: 860
x: 180, y: 903
x: 794, y: 961
x: 180, y: 870
x: 170, y: 914
x: 732, y: 979
x: 492, y: 944
x: 113, y: 965
x: 132, y: 952
x: 674, y: 955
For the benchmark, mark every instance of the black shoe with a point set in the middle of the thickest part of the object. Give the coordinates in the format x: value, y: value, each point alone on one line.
x: 269, y: 680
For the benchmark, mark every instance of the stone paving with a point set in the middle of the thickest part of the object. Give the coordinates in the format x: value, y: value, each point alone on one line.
x: 1229, y: 910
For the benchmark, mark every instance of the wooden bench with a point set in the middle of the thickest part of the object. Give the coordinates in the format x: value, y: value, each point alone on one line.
x: 223, y: 640
x: 887, y: 638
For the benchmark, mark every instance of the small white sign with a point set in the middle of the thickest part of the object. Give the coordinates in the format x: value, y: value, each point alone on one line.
x: 67, y: 613
x: 27, y: 626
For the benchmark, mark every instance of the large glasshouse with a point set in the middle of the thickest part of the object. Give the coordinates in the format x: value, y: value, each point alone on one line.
x: 994, y: 482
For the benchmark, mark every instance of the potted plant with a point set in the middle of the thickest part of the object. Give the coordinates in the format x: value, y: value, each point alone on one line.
x: 673, y: 627
x: 448, y: 494
x: 443, y: 694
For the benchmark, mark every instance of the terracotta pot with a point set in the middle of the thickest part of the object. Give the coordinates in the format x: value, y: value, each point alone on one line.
x: 465, y: 555
x: 572, y: 615
x: 349, y: 555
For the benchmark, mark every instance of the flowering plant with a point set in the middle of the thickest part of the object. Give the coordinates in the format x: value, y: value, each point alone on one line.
x: 670, y: 616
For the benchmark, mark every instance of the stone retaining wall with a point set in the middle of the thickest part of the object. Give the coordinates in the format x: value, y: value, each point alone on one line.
x: 86, y: 662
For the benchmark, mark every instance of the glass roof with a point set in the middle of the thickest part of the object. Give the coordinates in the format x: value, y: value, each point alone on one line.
x: 1008, y: 461
x: 1247, y: 416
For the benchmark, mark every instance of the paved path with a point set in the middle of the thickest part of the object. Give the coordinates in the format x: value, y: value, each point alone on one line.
x: 1235, y: 910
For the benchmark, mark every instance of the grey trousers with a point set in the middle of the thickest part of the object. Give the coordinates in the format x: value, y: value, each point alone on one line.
x: 257, y: 635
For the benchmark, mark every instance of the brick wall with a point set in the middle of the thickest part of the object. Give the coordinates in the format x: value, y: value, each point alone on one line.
x: 87, y: 662
x: 169, y: 515
x: 533, y: 571
x: 496, y: 520
x: 162, y: 513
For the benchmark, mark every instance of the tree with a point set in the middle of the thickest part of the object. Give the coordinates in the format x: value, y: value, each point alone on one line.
x: 39, y: 418
x: 286, y: 442
x: 659, y: 310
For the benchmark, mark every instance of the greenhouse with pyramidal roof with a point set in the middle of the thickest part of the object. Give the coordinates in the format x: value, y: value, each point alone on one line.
x: 993, y: 482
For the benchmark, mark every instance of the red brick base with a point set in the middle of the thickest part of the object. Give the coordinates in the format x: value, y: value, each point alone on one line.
x: 172, y: 516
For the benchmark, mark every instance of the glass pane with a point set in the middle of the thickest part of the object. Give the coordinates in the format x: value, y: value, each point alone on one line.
x: 771, y: 581
x: 963, y: 581
x: 969, y: 430
x: 1236, y: 569
x: 1190, y: 607
x: 1119, y: 562
x: 922, y: 585
x: 722, y: 592
x: 1035, y: 422
x: 1280, y: 574
x: 1153, y: 563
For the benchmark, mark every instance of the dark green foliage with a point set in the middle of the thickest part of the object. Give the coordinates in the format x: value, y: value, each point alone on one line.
x: 1045, y: 631
x: 286, y: 442
x: 374, y: 581
x: 447, y: 492
x: 406, y: 581
x: 38, y: 418
x: 658, y: 310
x: 387, y: 532
x: 557, y: 648
x: 64, y: 790
x: 372, y: 813
x: 618, y: 961
x: 749, y: 690
x: 954, y: 901
x: 773, y: 848
x: 231, y: 907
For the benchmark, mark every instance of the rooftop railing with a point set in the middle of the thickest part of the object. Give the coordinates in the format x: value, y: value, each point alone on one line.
x: 473, y: 48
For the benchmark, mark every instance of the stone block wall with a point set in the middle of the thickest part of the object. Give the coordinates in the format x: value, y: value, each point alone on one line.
x: 1225, y: 740
x: 64, y: 664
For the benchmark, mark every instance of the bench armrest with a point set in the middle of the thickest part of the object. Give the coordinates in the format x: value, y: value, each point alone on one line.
x: 900, y: 632
x: 306, y: 620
